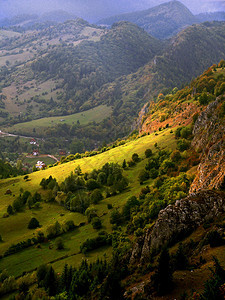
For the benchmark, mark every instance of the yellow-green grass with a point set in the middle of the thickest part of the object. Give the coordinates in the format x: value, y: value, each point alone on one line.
x: 96, y: 114
x: 60, y: 172
x: 14, y: 229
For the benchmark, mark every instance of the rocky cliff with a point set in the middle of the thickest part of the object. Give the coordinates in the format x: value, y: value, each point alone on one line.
x: 209, y: 139
x: 176, y: 221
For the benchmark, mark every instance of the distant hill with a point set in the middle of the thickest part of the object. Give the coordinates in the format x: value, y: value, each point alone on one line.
x: 161, y: 21
x: 188, y: 55
x: 213, y: 16
x: 85, y: 68
x: 27, y: 21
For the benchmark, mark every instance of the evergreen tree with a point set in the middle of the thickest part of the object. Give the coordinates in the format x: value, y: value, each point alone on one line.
x: 10, y: 210
x: 50, y: 282
x: 163, y: 279
x: 33, y: 224
x: 124, y: 165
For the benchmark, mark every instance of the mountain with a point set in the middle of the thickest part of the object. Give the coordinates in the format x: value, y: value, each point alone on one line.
x: 27, y: 21
x: 79, y: 69
x: 188, y: 54
x: 162, y: 21
x: 121, y: 68
x: 211, y: 16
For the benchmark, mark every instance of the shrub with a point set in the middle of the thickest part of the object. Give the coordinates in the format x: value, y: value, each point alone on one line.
x: 96, y: 196
x: 10, y: 210
x: 18, y: 204
x: 115, y: 217
x: 92, y: 184
x: 183, y: 145
x: 69, y: 225
x: 175, y: 156
x: 59, y: 243
x: 131, y: 163
x: 148, y: 153
x: 132, y: 202
x: 33, y: 224
x: 90, y: 213
x: 153, y: 173
x: 135, y: 157
x: 195, y: 117
x: 185, y: 132
x: 203, y: 99
x: 143, y: 176
x: 214, y: 239
x: 96, y: 223
x: 102, y: 239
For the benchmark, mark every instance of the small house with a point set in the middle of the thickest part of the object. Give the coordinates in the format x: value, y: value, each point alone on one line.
x: 62, y: 152
x: 35, y: 152
x: 33, y: 142
x: 40, y: 165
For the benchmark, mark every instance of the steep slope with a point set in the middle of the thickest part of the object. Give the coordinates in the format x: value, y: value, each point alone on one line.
x: 190, y: 53
x: 209, y: 139
x: 87, y: 67
x: 179, y: 220
x: 162, y: 21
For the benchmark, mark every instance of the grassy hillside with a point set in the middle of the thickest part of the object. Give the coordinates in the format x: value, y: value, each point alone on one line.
x: 96, y: 114
x: 14, y: 228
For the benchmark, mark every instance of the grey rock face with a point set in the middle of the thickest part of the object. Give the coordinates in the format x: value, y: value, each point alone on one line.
x: 175, y: 221
x: 209, y: 138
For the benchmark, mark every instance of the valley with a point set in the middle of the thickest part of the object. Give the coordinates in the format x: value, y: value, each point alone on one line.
x: 112, y: 165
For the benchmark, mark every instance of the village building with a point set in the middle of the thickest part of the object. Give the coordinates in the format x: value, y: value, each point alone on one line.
x: 33, y: 142
x: 40, y: 165
x: 35, y: 152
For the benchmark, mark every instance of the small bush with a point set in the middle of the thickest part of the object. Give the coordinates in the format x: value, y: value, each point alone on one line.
x: 33, y: 224
x: 148, y: 153
x: 96, y: 223
x: 59, y: 243
x: 135, y: 157
x: 214, y: 239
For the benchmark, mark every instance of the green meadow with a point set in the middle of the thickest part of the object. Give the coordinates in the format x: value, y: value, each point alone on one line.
x: 96, y: 114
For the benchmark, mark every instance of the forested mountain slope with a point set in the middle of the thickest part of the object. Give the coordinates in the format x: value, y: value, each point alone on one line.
x: 161, y: 21
x: 123, y: 68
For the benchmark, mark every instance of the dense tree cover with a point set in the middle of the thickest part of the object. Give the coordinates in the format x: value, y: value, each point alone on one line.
x: 81, y: 190
x: 88, y: 66
x: 6, y: 170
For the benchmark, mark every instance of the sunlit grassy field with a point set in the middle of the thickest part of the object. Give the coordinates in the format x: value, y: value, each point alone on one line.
x: 14, y: 228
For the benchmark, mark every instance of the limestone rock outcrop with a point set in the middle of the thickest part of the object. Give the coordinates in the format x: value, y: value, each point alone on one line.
x: 176, y: 221
x: 209, y: 139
